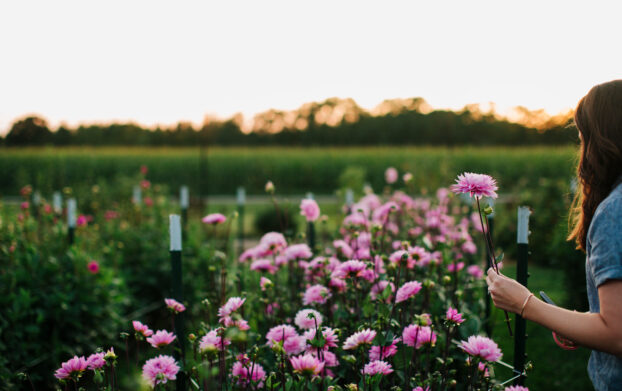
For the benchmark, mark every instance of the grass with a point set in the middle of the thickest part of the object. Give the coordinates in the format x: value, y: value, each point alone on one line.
x: 553, y: 367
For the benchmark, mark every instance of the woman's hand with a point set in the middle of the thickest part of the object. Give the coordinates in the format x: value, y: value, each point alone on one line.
x: 506, y: 293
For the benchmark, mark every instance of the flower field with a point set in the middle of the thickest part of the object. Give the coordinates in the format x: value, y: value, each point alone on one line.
x: 393, y: 298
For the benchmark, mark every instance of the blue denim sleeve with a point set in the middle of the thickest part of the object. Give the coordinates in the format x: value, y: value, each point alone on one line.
x: 605, y: 237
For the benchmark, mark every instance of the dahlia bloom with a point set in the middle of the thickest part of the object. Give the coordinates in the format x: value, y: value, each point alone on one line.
x: 247, y: 372
x: 142, y: 329
x: 349, y: 269
x: 359, y: 338
x: 93, y: 267
x: 376, y: 367
x: 475, y: 271
x: 419, y: 388
x: 214, y: 219
x: 159, y: 370
x: 382, y: 352
x: 330, y: 338
x: 161, y: 338
x: 265, y: 283
x: 379, y: 287
x: 232, y: 305
x: 416, y: 336
x: 241, y: 324
x: 212, y: 342
x: 308, y: 319
x: 273, y: 241
x: 483, y: 347
x: 292, y: 342
x: 343, y: 248
x: 516, y: 388
x: 81, y: 221
x: 174, y: 305
x: 476, y: 185
x: 316, y: 294
x: 402, y: 257
x: 71, y: 368
x: 145, y: 184
x: 454, y: 316
x: 309, y: 209
x: 455, y: 267
x: 264, y: 264
x: 96, y: 361
x: 408, y: 290
x: 297, y: 251
x: 390, y: 175
x: 306, y: 364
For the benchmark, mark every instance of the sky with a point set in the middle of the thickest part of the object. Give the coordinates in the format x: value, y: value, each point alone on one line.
x: 159, y: 62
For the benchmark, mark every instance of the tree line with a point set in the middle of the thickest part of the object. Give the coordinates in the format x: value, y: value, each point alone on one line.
x: 334, y: 122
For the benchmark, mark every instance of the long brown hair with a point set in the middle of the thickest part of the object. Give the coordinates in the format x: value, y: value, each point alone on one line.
x: 599, y: 119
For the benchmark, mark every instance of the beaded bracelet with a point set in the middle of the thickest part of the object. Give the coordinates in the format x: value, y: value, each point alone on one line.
x: 525, y: 304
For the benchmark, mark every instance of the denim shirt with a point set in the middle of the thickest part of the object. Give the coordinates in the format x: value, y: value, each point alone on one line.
x: 604, y: 262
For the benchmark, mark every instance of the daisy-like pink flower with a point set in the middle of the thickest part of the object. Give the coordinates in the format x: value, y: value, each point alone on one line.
x: 160, y: 370
x: 416, y: 336
x: 483, y: 347
x: 482, y: 368
x: 292, y: 342
x: 212, y: 342
x: 408, y: 290
x: 161, y: 338
x: 95, y: 361
x: 265, y: 283
x: 402, y: 257
x: 141, y: 329
x: 174, y: 305
x: 214, y: 219
x: 309, y: 209
x: 351, y: 268
x: 241, y: 324
x: 391, y: 175
x: 297, y: 251
x: 232, y: 305
x: 363, y: 337
x: 93, y: 267
x: 273, y: 242
x: 376, y: 367
x: 475, y: 271
x: 72, y: 368
x: 379, y: 287
x: 455, y: 266
x: 264, y: 265
x: 516, y: 388
x: 308, y: 319
x: 343, y: 248
x: 382, y: 352
x: 476, y: 185
x: 419, y: 388
x: 454, y: 316
x: 306, y: 365
x: 246, y: 372
x: 330, y: 338
x: 81, y: 221
x: 316, y: 294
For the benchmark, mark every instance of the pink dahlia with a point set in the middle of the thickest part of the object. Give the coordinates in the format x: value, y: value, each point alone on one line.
x: 174, y: 305
x: 161, y: 338
x: 382, y: 352
x: 516, y: 388
x: 378, y: 288
x: 477, y: 185
x: 309, y: 209
x: 316, y: 294
x: 419, y: 388
x: 93, y: 267
x: 292, y: 342
x: 96, y: 361
x: 483, y: 347
x: 159, y: 370
x: 81, y: 221
x: 141, y: 329
x: 416, y: 336
x: 455, y: 267
x: 343, y: 248
x: 246, y: 372
x: 232, y: 305
x: 265, y: 265
x: 330, y: 338
x: 265, y: 283
x: 391, y: 175
x: 241, y: 324
x: 297, y: 251
x: 306, y: 364
x: 475, y: 271
x: 273, y: 242
x: 454, y: 316
x: 364, y: 337
x: 212, y: 342
x: 402, y: 257
x: 351, y: 268
x: 408, y: 290
x: 214, y: 219
x: 73, y: 368
x: 308, y: 319
x: 376, y: 367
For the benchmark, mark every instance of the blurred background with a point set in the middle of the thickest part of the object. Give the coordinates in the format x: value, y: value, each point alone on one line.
x: 316, y: 97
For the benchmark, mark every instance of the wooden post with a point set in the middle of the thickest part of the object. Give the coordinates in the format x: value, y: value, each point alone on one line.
x: 71, y: 220
x: 241, y: 201
x: 175, y: 249
x: 520, y: 337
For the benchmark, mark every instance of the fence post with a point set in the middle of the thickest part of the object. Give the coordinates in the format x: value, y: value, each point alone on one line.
x: 71, y: 220
x: 521, y: 276
x: 491, y: 222
x: 241, y: 200
x: 310, y: 229
x: 175, y: 249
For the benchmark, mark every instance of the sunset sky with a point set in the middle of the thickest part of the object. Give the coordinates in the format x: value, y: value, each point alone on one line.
x: 159, y: 62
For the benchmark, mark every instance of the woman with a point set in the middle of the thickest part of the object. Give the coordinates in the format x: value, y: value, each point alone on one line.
x: 597, y: 231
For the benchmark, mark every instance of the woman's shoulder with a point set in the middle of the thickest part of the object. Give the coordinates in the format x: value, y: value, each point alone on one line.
x: 608, y: 215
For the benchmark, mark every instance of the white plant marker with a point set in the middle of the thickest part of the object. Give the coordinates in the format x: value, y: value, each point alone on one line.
x: 184, y: 197
x: 175, y: 232
x: 522, y: 234
x: 57, y: 202
x: 71, y: 213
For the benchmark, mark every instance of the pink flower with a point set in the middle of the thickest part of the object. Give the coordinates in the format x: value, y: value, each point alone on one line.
x: 144, y: 169
x: 96, y: 361
x: 269, y: 187
x: 454, y: 316
x: 232, y: 305
x: 161, y: 338
x: 297, y: 251
x: 265, y: 265
x: 330, y: 338
x: 482, y: 368
x: 241, y: 324
x: 174, y: 305
x: 408, y: 290
x: 160, y: 369
x: 71, y: 368
x: 141, y: 329
x: 516, y: 388
x: 349, y: 269
x: 265, y: 283
x: 378, y: 288
x: 93, y: 267
x: 417, y: 336
x: 145, y: 184
x: 212, y: 342
x: 469, y: 247
x: 483, y: 347
x: 376, y: 367
x: 247, y: 372
x: 391, y: 175
x: 148, y: 201
x: 110, y: 215
x: 475, y: 271
x: 343, y: 248
x: 455, y: 267
x: 214, y: 218
x: 407, y: 177
x: 419, y: 388
x: 478, y: 185
x: 308, y: 319
x: 273, y: 242
x: 363, y: 337
x: 309, y: 209
x: 81, y: 221
x: 24, y: 205
x: 382, y: 352
x: 316, y: 294
x: 306, y: 365
x: 402, y: 257
x: 292, y: 342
